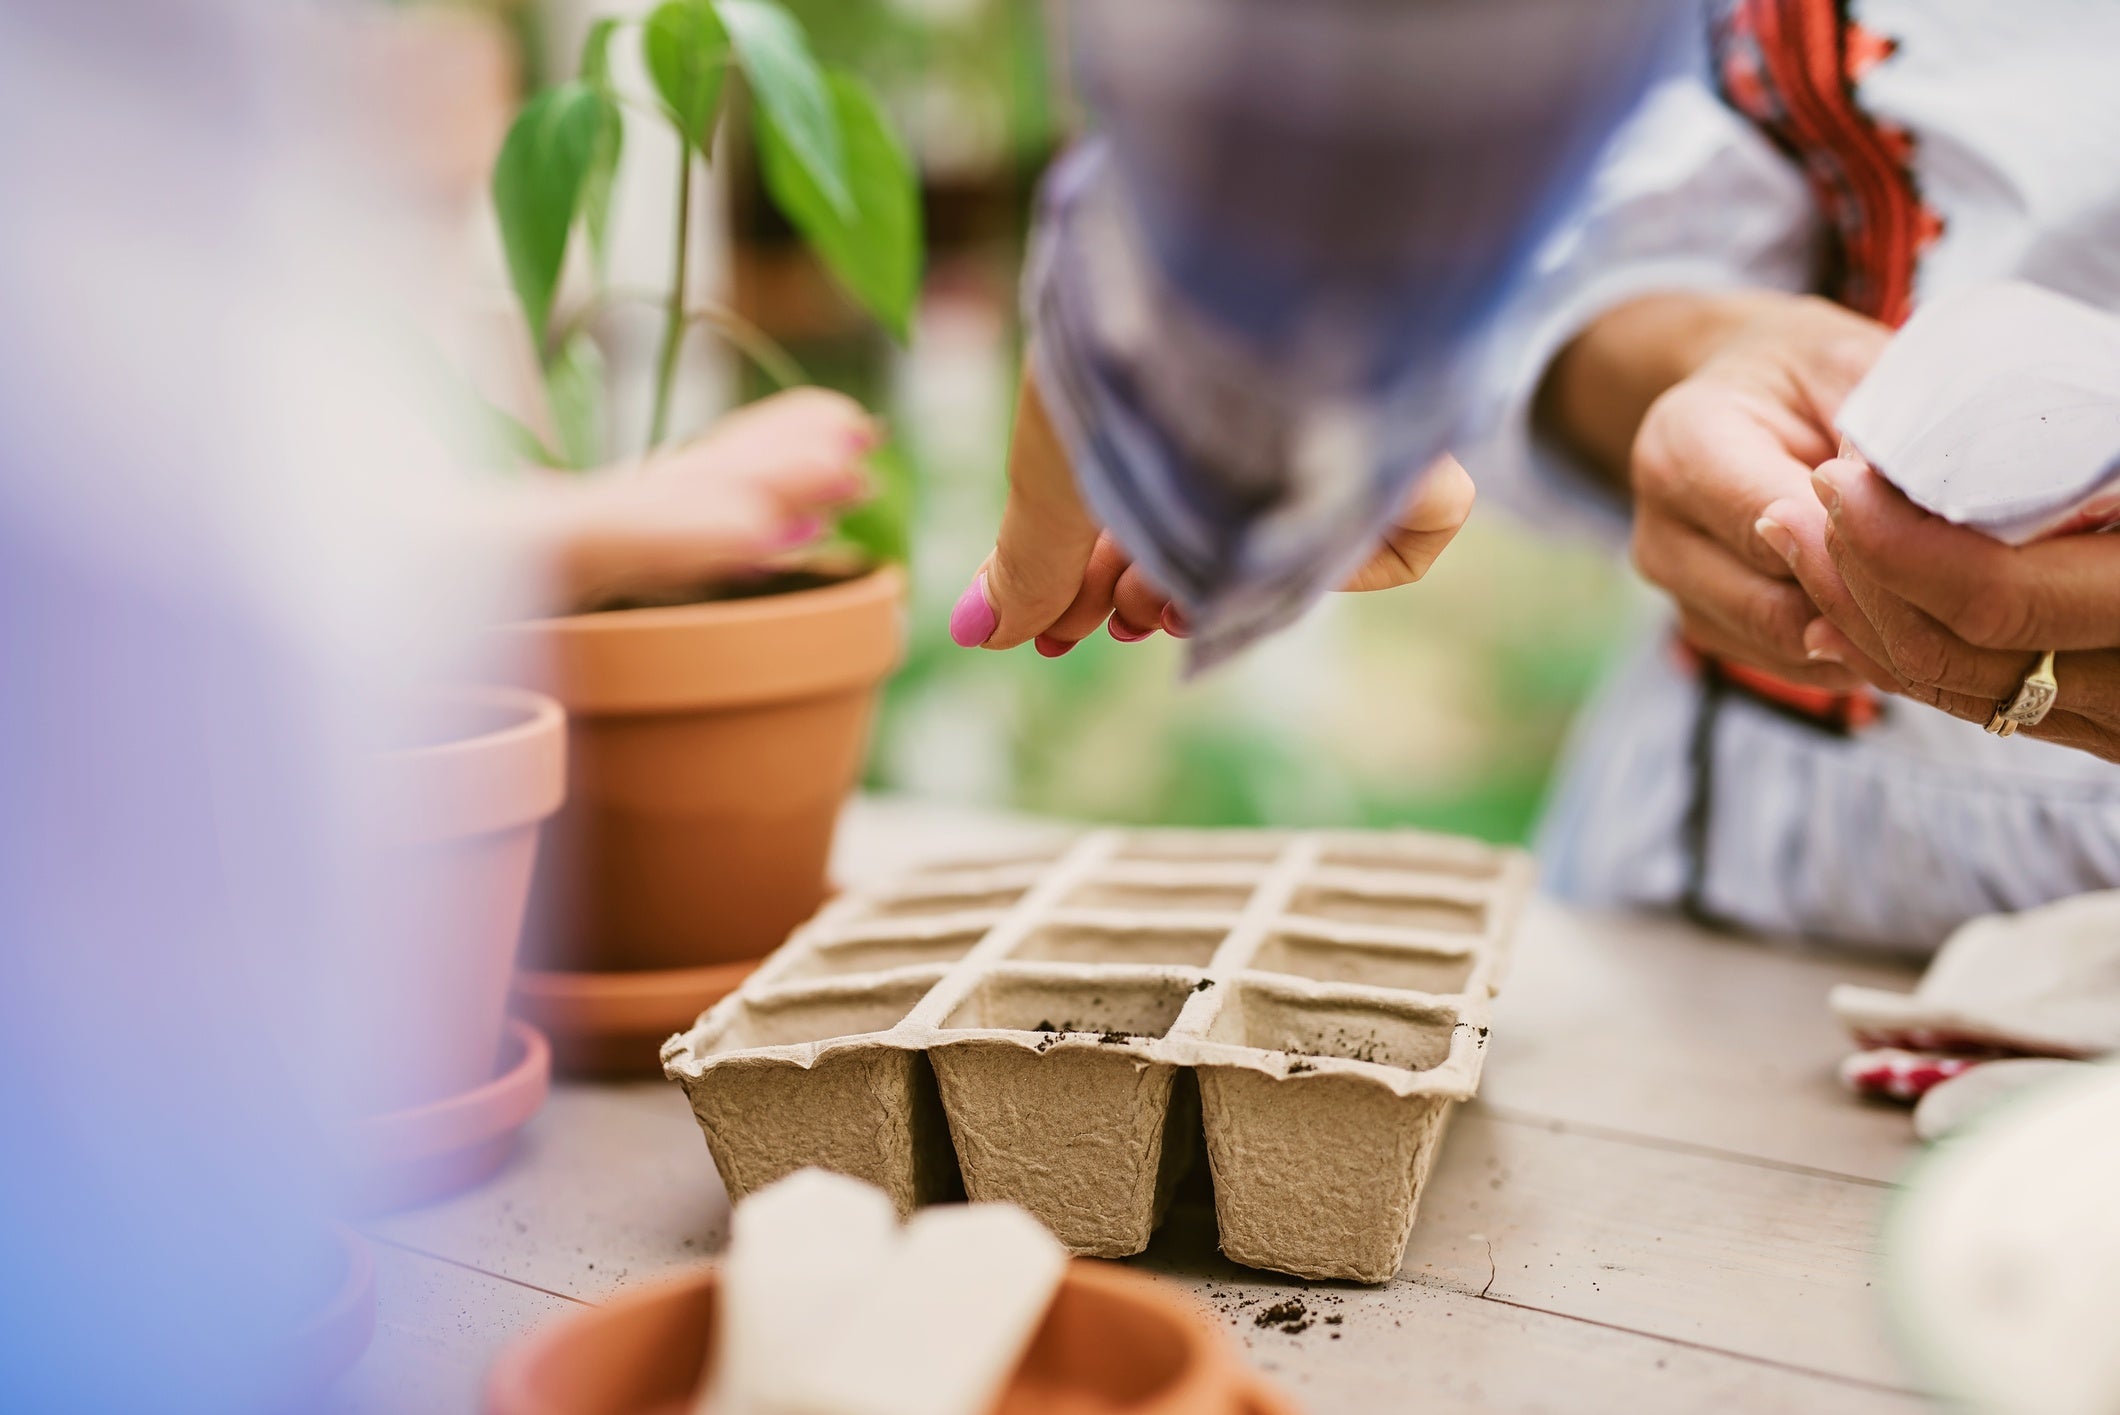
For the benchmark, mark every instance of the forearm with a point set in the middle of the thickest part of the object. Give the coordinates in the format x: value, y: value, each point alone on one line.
x: 1601, y: 383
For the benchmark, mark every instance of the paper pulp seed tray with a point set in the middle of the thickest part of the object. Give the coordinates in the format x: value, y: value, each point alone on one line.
x: 1064, y: 1030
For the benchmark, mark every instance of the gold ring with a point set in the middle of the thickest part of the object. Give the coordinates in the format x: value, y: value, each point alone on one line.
x: 2034, y: 699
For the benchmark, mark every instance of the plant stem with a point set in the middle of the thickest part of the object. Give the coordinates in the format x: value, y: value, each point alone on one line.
x: 753, y: 343
x: 674, y: 320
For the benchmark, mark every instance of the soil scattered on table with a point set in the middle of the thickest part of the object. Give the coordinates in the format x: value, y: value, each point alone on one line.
x: 1289, y: 1315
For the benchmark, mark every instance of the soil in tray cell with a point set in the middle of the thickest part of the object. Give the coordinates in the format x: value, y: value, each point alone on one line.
x: 1412, y: 1037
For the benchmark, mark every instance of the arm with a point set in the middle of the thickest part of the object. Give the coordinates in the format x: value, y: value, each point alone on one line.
x: 1252, y: 296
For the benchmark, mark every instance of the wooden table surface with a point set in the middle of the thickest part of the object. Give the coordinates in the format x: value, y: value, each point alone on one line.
x: 1662, y: 1201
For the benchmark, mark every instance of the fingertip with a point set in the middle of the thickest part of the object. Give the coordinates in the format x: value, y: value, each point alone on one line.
x: 1822, y: 642
x: 1778, y: 538
x: 1125, y: 633
x: 1826, y: 482
x: 1050, y: 647
x: 973, y: 620
x: 1175, y: 623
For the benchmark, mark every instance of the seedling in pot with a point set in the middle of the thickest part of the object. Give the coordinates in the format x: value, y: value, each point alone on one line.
x: 829, y: 161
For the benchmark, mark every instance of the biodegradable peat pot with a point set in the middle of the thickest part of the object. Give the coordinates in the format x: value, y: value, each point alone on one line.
x: 711, y: 747
x: 1113, y: 1341
x: 457, y: 821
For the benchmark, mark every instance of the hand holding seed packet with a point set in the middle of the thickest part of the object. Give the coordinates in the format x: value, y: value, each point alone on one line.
x: 1948, y: 553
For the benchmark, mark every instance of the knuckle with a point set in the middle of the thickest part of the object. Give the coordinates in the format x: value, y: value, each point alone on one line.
x: 1650, y: 553
x: 2004, y: 616
x: 1920, y: 660
x: 1774, y: 619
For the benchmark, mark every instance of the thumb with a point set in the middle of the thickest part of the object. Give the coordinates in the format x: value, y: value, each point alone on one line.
x: 1045, y: 542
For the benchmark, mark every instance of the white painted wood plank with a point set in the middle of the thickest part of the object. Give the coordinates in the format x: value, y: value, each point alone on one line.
x: 1654, y: 1027
x: 610, y: 1187
x: 1360, y: 1351
x: 1763, y: 1262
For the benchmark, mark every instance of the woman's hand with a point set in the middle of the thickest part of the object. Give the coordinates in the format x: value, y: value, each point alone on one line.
x: 760, y: 482
x: 1054, y: 576
x: 1709, y: 408
x: 1948, y: 617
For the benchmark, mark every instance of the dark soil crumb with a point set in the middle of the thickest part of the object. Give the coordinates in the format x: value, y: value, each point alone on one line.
x: 1289, y: 1315
x: 1299, y: 1066
x: 1203, y: 985
x: 1056, y: 1030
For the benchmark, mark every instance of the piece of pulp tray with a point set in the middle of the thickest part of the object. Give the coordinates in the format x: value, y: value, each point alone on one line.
x: 1056, y: 1030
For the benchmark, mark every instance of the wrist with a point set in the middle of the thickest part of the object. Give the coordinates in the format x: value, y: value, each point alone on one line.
x: 1600, y: 385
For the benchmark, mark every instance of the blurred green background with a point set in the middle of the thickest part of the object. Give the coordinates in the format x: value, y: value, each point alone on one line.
x: 1440, y: 705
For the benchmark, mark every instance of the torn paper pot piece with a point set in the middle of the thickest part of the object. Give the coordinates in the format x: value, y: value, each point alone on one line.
x: 1998, y: 407
x: 2045, y: 982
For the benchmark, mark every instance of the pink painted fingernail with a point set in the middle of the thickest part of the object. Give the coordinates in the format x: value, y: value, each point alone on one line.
x: 972, y: 621
x: 1125, y: 634
x: 1828, y: 494
x: 801, y: 532
x: 865, y: 438
x: 1050, y: 647
x: 1175, y: 623
x: 1777, y: 537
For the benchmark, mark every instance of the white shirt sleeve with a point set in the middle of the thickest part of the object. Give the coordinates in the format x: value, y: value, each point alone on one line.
x: 1688, y: 196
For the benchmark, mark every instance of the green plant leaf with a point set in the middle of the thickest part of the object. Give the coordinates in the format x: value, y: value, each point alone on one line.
x: 687, y: 54
x: 595, y: 68
x: 537, y: 188
x: 882, y: 527
x: 574, y: 386
x: 874, y: 249
x: 791, y: 92
x: 509, y: 433
x: 603, y: 160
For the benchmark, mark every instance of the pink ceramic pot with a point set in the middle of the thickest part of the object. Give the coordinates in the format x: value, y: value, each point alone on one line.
x: 458, y: 818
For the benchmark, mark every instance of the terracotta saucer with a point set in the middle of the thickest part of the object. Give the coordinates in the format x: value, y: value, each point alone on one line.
x: 424, y: 1153
x: 1113, y: 1341
x: 612, y: 1025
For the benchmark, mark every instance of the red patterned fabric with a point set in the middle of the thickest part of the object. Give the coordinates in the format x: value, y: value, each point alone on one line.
x: 1892, y: 1074
x: 1792, y: 67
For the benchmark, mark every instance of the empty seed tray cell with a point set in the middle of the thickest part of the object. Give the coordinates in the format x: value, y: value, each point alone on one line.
x: 1071, y: 1031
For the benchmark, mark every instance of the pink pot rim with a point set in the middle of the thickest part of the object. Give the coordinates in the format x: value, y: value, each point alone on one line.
x: 510, y: 777
x: 465, y: 1120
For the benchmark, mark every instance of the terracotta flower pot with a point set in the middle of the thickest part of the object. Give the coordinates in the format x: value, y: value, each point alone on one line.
x: 1114, y: 1340
x: 458, y: 819
x: 710, y: 749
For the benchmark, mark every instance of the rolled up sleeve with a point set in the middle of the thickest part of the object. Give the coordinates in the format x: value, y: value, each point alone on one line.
x: 1688, y: 197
